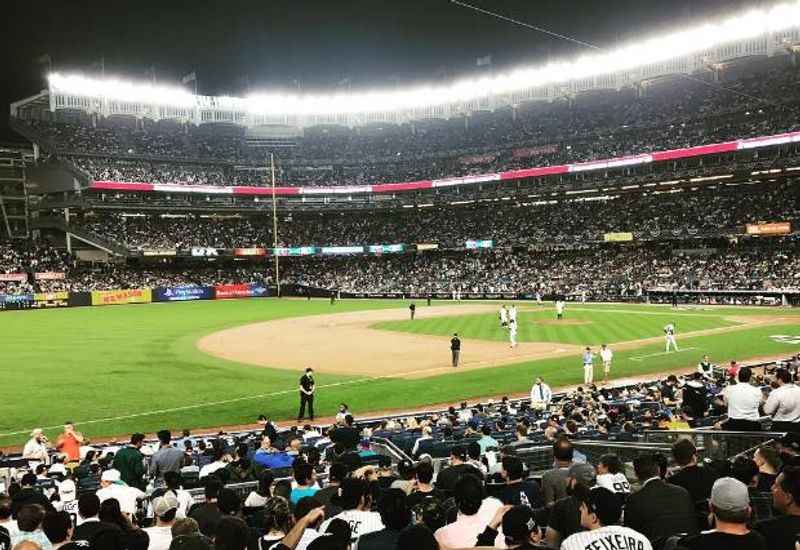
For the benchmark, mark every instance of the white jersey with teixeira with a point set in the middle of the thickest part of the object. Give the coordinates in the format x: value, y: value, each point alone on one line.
x: 613, y: 536
x: 360, y: 523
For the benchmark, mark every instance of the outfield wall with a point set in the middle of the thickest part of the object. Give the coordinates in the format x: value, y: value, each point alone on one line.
x: 188, y: 293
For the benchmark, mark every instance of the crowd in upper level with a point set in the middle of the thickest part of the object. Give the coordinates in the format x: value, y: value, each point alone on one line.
x: 678, y: 114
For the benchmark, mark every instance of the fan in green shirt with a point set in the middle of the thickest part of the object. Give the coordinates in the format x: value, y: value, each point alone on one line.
x: 130, y: 462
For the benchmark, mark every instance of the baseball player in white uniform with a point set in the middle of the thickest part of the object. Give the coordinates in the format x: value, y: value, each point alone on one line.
x: 606, y: 355
x: 512, y: 333
x: 503, y: 316
x: 559, y: 309
x: 588, y: 366
x: 512, y: 314
x: 669, y: 336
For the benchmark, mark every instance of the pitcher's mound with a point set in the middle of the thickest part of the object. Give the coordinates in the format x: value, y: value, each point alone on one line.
x: 563, y: 322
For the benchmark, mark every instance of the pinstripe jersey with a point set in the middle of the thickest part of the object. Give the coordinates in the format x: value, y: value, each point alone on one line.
x: 613, y: 537
x: 360, y: 523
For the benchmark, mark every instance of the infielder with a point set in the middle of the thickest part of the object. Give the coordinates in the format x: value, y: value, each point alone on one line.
x: 606, y: 355
x: 669, y: 336
x: 503, y: 316
x: 588, y: 366
x: 512, y: 314
x: 512, y: 333
x: 559, y: 309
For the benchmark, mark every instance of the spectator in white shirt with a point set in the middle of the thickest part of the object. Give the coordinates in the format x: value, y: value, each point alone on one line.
x: 600, y: 511
x: 783, y: 404
x: 165, y: 509
x: 742, y: 400
x: 35, y: 450
x: 111, y: 486
x: 427, y: 433
x: 541, y: 395
x: 219, y: 463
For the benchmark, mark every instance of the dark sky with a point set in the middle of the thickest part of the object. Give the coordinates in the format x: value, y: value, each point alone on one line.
x: 317, y: 43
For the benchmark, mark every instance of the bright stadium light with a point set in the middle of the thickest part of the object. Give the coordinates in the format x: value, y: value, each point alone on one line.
x: 756, y: 22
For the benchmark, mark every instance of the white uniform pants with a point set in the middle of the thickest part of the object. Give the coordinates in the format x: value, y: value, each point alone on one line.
x: 588, y: 374
x: 671, y: 342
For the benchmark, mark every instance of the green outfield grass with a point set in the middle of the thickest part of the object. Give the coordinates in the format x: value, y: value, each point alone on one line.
x: 539, y: 325
x: 112, y: 369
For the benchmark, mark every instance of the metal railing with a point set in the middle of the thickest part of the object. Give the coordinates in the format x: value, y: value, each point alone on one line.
x: 718, y: 444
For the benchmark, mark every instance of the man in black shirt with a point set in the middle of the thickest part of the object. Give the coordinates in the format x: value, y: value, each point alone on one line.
x: 424, y: 490
x: 692, y: 477
x: 447, y: 479
x: 782, y: 531
x: 395, y: 515
x: 518, y: 492
x: 412, y: 309
x: 455, y: 349
x: 730, y: 508
x: 306, y: 395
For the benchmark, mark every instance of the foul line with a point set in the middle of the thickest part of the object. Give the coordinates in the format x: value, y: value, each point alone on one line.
x: 195, y: 406
x: 642, y: 357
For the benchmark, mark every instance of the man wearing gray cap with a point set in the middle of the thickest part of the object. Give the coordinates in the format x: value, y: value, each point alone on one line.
x: 730, y: 512
x: 565, y: 516
x: 164, y: 508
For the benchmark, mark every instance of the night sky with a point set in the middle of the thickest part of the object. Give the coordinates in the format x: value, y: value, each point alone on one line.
x: 310, y: 44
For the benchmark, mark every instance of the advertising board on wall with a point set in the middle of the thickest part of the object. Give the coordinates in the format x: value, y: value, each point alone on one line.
x: 248, y: 290
x: 122, y: 296
x: 183, y: 293
x: 779, y: 228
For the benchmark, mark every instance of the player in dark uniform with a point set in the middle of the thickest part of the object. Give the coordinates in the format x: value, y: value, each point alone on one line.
x: 333, y: 296
x: 307, y: 395
x: 412, y: 309
x: 455, y: 349
x: 429, y: 299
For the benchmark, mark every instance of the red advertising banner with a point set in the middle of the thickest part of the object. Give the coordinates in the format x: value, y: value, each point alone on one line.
x: 249, y: 251
x: 21, y: 277
x: 779, y: 228
x: 232, y: 291
x: 48, y: 276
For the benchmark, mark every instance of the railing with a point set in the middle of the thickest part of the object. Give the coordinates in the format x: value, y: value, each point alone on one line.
x: 718, y: 444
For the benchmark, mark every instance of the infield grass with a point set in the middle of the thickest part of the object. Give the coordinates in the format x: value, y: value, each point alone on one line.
x: 119, y: 369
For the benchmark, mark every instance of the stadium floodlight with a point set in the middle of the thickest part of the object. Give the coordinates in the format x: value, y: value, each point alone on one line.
x: 692, y: 41
x: 121, y: 90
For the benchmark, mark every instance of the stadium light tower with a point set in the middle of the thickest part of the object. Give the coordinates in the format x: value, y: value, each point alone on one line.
x: 275, y: 225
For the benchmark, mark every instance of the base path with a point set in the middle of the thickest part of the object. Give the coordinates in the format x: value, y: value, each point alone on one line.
x: 344, y: 343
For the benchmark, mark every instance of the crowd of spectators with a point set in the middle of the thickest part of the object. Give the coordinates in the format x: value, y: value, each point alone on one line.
x: 606, y: 272
x: 471, y: 476
x: 678, y: 114
x: 649, y: 216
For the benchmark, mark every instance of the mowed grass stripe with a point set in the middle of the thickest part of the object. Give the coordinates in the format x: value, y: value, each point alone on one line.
x: 578, y: 327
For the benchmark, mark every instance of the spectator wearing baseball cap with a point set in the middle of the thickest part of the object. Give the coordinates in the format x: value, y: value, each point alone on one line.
x: 519, y: 529
x: 781, y: 531
x: 165, y: 509
x: 601, y: 510
x: 112, y: 486
x: 447, y: 478
x: 730, y: 512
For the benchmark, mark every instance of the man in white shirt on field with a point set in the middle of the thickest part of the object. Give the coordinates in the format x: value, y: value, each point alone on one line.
x: 512, y: 333
x: 541, y: 395
x: 743, y: 400
x: 503, y: 316
x: 783, y: 404
x: 606, y: 355
x: 600, y: 513
x: 669, y: 337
